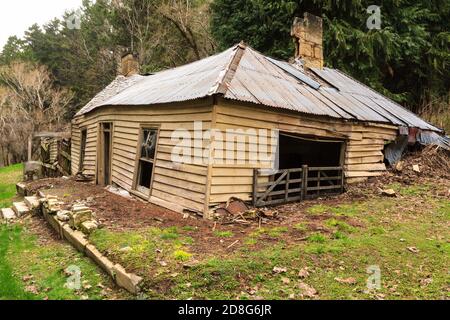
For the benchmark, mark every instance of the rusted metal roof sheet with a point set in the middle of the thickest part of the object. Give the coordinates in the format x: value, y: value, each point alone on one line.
x: 117, y: 85
x: 243, y: 74
x: 188, y: 82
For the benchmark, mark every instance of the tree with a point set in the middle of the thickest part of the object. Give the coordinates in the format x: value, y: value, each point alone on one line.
x: 29, y: 102
x: 408, y: 59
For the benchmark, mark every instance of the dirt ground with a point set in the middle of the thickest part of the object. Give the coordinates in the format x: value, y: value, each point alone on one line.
x: 117, y: 213
x: 335, y: 236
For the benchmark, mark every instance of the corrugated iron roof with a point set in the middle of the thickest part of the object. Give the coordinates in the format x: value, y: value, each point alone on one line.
x: 117, y: 85
x: 243, y: 74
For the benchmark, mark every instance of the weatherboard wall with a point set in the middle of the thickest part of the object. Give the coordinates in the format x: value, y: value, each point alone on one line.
x: 198, y: 186
x: 363, y: 155
x: 177, y: 186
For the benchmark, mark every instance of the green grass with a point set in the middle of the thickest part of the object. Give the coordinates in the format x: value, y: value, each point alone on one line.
x: 9, y: 176
x: 25, y: 264
x: 345, y: 210
x: 388, y: 227
x: 149, y: 247
x: 223, y: 234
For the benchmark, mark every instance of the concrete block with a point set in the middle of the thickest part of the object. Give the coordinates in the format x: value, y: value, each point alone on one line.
x: 128, y: 281
x: 20, y: 208
x: 100, y: 260
x: 7, y: 214
x: 88, y: 227
x: 76, y: 238
x: 54, y: 223
x: 32, y: 201
x: 21, y: 188
x: 78, y: 217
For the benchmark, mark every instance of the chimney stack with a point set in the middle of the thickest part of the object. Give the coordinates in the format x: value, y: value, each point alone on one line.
x: 129, y: 65
x: 307, y: 34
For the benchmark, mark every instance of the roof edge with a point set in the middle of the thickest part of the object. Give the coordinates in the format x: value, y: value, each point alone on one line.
x: 225, y: 77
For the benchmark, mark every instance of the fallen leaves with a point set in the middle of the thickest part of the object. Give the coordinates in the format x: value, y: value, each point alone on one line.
x: 350, y: 280
x: 306, y: 290
x: 303, y: 273
x: 413, y: 249
x: 285, y: 280
x: 32, y: 289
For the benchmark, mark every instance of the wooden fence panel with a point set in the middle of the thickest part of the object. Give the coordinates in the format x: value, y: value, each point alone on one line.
x: 296, y: 184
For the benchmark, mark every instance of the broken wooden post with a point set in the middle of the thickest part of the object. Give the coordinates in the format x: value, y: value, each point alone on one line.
x: 304, y: 181
x: 286, y: 189
x: 30, y: 147
x: 255, y: 186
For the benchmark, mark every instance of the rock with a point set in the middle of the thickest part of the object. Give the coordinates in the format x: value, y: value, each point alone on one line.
x: 76, y: 218
x: 399, y: 166
x: 126, y: 249
x: 88, y: 227
x: 388, y: 193
x: 79, y: 207
x: 52, y: 205
x: 279, y: 270
x: 190, y: 264
x: 413, y: 249
x: 63, y: 215
x: 20, y: 208
x: 7, y: 214
x: 416, y: 168
x: 128, y: 281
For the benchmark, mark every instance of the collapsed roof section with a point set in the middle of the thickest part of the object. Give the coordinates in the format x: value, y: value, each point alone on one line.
x: 243, y: 74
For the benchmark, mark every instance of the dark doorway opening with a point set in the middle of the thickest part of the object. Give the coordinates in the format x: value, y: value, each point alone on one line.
x: 104, y: 170
x: 82, y: 150
x: 296, y: 151
x: 321, y: 158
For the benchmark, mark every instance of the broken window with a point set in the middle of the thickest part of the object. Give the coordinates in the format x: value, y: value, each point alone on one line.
x: 146, y: 159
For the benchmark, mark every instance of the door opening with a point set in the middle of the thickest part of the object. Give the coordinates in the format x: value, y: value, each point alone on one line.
x: 104, y: 177
x: 82, y: 150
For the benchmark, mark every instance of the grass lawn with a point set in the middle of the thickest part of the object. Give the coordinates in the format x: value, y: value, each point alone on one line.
x: 31, y: 268
x: 331, y: 254
x: 9, y: 176
x: 33, y: 271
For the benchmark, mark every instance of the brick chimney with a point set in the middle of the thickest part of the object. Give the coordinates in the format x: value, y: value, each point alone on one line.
x: 129, y: 65
x: 307, y: 34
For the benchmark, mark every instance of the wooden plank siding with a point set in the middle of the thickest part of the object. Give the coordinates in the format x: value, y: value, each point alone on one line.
x: 199, y: 186
x: 175, y: 186
x: 363, y: 154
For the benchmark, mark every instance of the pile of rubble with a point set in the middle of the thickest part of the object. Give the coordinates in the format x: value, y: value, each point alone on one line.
x: 431, y: 161
x: 79, y: 217
x: 236, y: 211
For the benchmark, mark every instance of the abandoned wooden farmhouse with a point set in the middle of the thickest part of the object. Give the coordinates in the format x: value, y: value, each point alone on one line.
x: 320, y: 128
